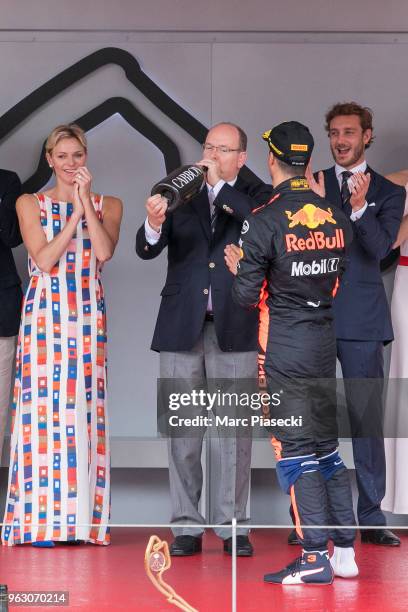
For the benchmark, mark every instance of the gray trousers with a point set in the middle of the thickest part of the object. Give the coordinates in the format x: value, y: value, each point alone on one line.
x: 206, y: 360
x: 7, y: 354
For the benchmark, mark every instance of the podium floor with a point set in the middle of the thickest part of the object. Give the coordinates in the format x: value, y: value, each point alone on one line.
x: 113, y: 577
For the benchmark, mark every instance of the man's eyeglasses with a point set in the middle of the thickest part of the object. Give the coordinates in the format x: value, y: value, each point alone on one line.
x: 209, y: 148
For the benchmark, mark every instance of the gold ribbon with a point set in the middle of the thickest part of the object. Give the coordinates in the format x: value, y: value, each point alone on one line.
x: 157, y: 561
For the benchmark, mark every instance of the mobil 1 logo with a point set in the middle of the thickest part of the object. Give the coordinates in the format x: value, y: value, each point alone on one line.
x: 315, y: 267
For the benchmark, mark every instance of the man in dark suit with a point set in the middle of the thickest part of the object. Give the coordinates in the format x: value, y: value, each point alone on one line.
x: 200, y: 332
x: 362, y: 315
x: 10, y: 289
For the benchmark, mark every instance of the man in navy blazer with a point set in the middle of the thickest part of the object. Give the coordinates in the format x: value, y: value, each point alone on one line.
x: 362, y: 315
x: 200, y: 332
x: 10, y: 288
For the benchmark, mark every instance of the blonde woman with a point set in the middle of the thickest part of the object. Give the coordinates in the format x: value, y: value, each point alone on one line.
x: 58, y: 487
x: 396, y: 495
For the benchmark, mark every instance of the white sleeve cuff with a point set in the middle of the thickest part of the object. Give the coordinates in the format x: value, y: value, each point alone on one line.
x: 152, y: 236
x: 358, y: 213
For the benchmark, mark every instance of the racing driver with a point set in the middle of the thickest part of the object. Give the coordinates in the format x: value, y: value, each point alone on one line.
x: 293, y: 251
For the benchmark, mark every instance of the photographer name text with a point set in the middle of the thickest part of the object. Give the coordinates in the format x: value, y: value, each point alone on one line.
x: 227, y: 421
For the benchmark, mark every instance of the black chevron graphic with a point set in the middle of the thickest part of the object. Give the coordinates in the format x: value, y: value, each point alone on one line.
x: 131, y: 67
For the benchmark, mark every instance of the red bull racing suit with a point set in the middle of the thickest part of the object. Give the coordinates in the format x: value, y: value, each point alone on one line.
x: 293, y: 252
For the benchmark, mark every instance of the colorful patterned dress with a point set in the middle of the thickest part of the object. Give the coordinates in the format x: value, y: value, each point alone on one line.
x: 59, y: 481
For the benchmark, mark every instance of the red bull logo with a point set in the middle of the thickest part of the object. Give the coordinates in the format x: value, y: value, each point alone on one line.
x: 310, y: 216
x: 315, y: 241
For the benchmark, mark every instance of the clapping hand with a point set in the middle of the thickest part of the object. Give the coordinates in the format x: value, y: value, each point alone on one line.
x: 315, y: 185
x: 358, y: 185
x: 79, y: 210
x: 232, y: 255
x: 83, y: 179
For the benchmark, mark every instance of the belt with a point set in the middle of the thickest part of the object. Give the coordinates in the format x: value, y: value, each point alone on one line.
x: 403, y: 260
x: 209, y: 316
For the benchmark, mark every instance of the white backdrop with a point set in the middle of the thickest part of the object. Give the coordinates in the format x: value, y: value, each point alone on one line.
x: 255, y: 85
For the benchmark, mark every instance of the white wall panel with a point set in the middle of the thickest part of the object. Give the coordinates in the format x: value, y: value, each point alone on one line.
x: 255, y: 84
x: 182, y: 15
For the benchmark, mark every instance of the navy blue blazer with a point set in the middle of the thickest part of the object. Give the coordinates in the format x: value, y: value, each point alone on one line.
x: 360, y: 306
x: 10, y: 284
x: 196, y: 262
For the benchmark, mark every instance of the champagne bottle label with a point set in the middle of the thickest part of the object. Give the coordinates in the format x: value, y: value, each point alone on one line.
x: 180, y: 186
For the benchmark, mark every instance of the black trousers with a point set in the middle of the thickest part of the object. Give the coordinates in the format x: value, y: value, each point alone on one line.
x: 363, y: 373
x: 303, y: 372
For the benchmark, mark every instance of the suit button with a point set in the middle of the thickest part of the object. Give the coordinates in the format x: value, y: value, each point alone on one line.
x: 146, y: 248
x: 211, y: 264
x: 205, y: 291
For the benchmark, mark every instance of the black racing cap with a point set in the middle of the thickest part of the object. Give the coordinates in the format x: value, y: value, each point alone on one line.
x: 290, y: 142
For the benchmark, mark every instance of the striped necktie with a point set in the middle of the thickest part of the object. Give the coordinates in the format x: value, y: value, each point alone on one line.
x: 344, y: 190
x: 213, y: 209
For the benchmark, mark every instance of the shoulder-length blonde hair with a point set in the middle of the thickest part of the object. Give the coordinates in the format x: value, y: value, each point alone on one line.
x: 68, y: 130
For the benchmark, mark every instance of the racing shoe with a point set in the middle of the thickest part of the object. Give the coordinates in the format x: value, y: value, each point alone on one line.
x: 343, y: 562
x: 313, y: 567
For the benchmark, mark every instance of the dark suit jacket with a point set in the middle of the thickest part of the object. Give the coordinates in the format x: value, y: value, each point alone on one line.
x: 10, y: 284
x: 361, y: 307
x: 196, y: 262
